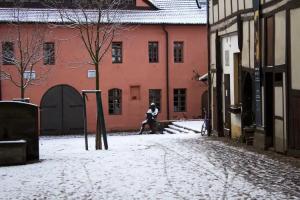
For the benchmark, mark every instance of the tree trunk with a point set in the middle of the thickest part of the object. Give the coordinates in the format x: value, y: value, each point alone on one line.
x: 22, y: 93
x: 22, y: 87
x: 98, y: 129
x: 98, y: 135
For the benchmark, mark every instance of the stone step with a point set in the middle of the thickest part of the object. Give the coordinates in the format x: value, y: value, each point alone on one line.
x: 190, y: 130
x: 171, y: 131
x: 183, y: 130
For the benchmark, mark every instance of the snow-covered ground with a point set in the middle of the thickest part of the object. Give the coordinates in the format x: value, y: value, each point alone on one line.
x: 180, y: 166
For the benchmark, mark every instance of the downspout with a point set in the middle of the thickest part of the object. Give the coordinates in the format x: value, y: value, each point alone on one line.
x: 0, y: 85
x: 209, y: 73
x: 167, y: 71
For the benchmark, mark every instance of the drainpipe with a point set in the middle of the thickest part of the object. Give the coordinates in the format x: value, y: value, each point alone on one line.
x: 0, y: 85
x: 167, y: 71
x: 209, y: 74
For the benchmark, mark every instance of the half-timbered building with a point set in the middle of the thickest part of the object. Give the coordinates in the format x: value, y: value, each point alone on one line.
x: 254, y: 71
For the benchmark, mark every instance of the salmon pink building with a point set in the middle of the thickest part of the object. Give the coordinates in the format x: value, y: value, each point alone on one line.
x: 155, y: 60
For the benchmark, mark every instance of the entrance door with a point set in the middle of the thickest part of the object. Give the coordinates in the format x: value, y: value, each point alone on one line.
x: 247, y: 100
x: 61, y: 111
x: 279, y: 129
x: 227, y: 103
x: 215, y: 111
x: 269, y: 109
x: 294, y: 121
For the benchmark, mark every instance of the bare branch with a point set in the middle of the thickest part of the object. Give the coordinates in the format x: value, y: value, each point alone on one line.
x: 24, y: 52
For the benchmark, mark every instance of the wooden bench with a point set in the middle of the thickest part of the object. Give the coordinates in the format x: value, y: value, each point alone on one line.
x: 12, y: 152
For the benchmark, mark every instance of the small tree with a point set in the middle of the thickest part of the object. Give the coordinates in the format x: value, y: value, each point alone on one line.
x: 97, y: 22
x: 22, y: 50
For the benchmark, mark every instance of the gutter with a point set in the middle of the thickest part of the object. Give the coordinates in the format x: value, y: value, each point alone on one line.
x: 209, y: 73
x: 167, y: 71
x: 0, y: 85
x: 0, y: 89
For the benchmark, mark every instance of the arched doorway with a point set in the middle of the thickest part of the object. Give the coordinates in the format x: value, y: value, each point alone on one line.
x: 61, y: 111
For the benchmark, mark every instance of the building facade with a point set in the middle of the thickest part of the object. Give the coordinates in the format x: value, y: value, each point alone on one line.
x: 153, y: 61
x: 254, y: 72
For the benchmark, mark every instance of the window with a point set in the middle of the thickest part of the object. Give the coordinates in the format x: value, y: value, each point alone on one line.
x: 29, y: 75
x: 178, y: 52
x: 153, y: 52
x: 49, y: 53
x: 8, y: 53
x: 114, y: 101
x: 179, y: 100
x: 117, y: 52
x: 154, y: 97
x: 91, y: 73
x: 135, y: 92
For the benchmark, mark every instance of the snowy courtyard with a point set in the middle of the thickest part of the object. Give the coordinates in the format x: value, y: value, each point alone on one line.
x: 180, y: 166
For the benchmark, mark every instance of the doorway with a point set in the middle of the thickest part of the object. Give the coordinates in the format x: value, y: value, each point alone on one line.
x: 269, y: 109
x: 248, y: 116
x: 227, y: 102
x: 61, y: 111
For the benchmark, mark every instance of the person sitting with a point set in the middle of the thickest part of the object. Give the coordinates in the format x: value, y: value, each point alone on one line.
x: 151, y: 116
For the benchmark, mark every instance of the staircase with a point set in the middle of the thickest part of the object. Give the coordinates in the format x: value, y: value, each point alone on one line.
x: 176, y: 129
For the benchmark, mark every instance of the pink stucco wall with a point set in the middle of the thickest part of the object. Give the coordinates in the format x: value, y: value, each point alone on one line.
x: 71, y: 68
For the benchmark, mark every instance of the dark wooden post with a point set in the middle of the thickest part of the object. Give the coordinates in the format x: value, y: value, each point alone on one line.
x: 100, y: 118
x: 257, y: 63
x: 85, y: 122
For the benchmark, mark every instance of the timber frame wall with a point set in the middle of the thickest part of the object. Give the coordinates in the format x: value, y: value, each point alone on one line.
x: 236, y: 17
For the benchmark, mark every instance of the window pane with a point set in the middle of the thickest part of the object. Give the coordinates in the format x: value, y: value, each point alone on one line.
x: 114, y: 101
x: 179, y: 100
x: 49, y: 53
x: 178, y: 52
x: 153, y: 52
x: 116, y: 52
x: 7, y: 53
x: 155, y: 97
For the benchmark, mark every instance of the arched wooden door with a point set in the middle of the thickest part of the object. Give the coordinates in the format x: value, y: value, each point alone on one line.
x: 61, y: 111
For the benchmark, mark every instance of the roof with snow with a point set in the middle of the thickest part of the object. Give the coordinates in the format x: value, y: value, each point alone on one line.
x: 168, y: 12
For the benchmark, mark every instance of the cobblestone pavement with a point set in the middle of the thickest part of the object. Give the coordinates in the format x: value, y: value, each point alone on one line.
x: 181, y: 166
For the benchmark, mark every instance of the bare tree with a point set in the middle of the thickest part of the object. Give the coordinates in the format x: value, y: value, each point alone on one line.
x: 97, y: 22
x: 22, y: 51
